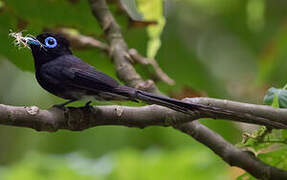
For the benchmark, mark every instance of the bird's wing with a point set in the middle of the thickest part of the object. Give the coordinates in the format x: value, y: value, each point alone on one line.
x: 98, y: 84
x: 89, y: 78
x: 73, y: 73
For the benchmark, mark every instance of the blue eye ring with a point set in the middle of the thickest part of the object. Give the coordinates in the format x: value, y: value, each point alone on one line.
x: 50, y: 42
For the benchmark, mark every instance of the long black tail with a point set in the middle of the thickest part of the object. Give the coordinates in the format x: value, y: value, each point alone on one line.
x: 171, y: 103
x: 149, y: 98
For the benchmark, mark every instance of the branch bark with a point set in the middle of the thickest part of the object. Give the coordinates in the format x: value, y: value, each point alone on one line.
x: 54, y: 118
x: 81, y: 118
x: 230, y: 154
x: 77, y: 119
x: 242, y: 112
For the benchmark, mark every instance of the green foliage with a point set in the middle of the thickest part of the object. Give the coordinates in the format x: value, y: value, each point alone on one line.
x: 255, y: 12
x: 39, y: 167
x: 228, y: 49
x: 263, y: 138
x: 276, y: 158
x: 269, y: 145
x: 152, y: 11
x: 126, y: 164
x: 34, y: 16
x: 272, y: 61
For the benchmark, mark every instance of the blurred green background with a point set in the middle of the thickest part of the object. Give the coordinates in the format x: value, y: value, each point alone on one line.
x: 221, y: 48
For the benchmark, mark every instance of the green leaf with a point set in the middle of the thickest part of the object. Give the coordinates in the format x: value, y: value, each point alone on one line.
x: 255, y: 12
x: 47, y: 14
x: 276, y: 97
x: 153, y: 10
x: 276, y: 158
x: 275, y: 102
x: 1, y: 4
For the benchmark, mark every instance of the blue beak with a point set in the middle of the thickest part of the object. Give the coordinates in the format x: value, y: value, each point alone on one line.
x: 31, y: 41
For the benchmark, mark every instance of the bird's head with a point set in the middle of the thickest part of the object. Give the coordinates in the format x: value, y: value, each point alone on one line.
x: 48, y: 46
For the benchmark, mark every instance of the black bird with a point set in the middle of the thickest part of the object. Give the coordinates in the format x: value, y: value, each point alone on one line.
x: 67, y: 76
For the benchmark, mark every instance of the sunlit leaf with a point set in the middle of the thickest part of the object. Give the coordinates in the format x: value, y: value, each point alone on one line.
x: 255, y: 13
x: 1, y: 4
x: 153, y: 10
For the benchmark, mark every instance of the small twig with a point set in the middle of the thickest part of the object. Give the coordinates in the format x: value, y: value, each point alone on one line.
x: 82, y: 41
x: 22, y: 41
x: 146, y: 61
x: 118, y: 48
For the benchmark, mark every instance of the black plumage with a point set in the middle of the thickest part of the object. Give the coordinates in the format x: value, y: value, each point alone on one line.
x: 66, y: 76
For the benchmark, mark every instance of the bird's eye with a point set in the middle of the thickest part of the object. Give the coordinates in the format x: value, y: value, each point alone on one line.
x: 50, y: 42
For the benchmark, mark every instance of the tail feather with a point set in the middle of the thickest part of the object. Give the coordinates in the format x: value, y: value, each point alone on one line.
x: 174, y: 104
x: 149, y: 98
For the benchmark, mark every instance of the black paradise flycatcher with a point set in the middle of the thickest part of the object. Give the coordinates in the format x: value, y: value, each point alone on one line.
x: 67, y: 76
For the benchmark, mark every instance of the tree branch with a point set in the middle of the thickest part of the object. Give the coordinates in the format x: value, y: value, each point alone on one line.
x: 80, y: 41
x: 81, y: 118
x: 230, y: 154
x: 54, y: 119
x: 77, y: 119
x: 242, y: 112
x: 127, y: 73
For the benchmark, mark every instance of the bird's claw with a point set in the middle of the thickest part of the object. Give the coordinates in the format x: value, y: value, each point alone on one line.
x: 88, y: 105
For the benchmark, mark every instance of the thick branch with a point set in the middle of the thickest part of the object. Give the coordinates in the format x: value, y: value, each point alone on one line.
x: 230, y: 154
x: 76, y: 119
x: 242, y: 112
x: 85, y: 117
x: 55, y: 119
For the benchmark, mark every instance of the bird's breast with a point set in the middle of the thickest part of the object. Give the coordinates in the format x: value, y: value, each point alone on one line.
x: 52, y: 85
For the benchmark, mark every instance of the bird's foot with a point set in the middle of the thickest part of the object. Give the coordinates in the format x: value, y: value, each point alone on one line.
x: 63, y: 105
x: 88, y: 105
